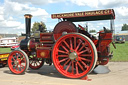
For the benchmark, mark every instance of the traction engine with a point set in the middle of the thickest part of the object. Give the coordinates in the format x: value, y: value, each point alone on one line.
x: 73, y: 51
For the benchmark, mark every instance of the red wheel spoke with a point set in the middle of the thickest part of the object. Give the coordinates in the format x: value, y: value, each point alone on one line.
x: 17, y: 67
x: 66, y: 44
x: 62, y: 52
x: 22, y: 59
x: 72, y: 67
x: 63, y: 56
x: 85, y: 59
x: 78, y: 45
x: 19, y: 56
x: 13, y: 58
x: 74, y: 42
x: 31, y: 61
x: 13, y: 65
x: 65, y: 48
x: 80, y: 66
x: 66, y: 62
x: 83, y: 45
x: 39, y: 62
x: 82, y: 52
x: 63, y: 60
x: 85, y: 64
x: 71, y: 47
x: 16, y: 56
x: 22, y: 65
x: 36, y: 63
x: 68, y: 67
x: 85, y: 55
x: 77, y: 72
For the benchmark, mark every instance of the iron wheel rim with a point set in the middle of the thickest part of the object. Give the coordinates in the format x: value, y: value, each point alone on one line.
x: 17, y: 62
x: 81, y: 62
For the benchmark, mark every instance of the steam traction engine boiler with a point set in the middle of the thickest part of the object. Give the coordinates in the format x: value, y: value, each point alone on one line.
x: 73, y: 51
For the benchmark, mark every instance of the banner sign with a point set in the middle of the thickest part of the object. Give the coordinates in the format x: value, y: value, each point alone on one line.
x: 83, y: 14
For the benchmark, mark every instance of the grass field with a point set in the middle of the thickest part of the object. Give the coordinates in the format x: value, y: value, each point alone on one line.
x: 120, y: 53
x: 5, y: 50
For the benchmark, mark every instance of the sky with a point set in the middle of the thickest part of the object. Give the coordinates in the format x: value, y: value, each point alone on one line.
x: 12, y: 13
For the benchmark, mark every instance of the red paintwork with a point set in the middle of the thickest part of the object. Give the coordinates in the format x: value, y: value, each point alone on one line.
x: 46, y: 37
x: 105, y: 40
x: 81, y: 27
x: 95, y: 42
x: 64, y: 26
x: 104, y: 48
x: 32, y: 45
x: 16, y: 46
x: 43, y: 53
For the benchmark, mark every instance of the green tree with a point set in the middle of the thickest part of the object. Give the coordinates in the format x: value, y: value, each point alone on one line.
x: 39, y: 26
x: 124, y: 27
x: 92, y: 31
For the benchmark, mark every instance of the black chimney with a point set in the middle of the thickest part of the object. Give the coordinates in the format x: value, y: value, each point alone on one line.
x: 28, y: 24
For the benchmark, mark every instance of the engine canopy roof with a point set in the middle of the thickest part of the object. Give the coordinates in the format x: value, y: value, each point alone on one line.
x: 106, y: 14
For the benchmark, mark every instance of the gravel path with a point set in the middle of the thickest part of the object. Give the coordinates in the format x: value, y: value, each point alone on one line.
x: 48, y: 75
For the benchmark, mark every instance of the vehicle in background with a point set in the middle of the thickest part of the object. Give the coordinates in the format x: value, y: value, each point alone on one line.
x: 15, y: 47
x: 3, y: 59
x: 119, y: 39
x: 8, y: 42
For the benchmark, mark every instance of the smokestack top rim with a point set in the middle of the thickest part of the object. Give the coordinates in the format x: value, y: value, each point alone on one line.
x: 28, y: 16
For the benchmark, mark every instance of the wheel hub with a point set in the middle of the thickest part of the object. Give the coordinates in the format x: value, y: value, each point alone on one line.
x: 73, y: 55
x: 16, y: 63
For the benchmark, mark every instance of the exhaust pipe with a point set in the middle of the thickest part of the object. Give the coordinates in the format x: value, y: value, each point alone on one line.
x: 28, y: 24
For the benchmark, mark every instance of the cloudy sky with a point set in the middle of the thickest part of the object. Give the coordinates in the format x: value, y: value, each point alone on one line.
x: 12, y: 12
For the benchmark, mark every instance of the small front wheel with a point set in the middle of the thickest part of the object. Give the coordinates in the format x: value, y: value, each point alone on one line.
x: 18, y: 62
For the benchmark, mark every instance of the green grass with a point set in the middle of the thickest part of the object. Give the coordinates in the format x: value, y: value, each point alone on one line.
x: 121, y: 52
x: 5, y: 50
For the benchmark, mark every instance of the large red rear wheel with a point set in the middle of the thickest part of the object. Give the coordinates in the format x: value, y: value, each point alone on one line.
x: 18, y: 62
x: 35, y: 63
x: 74, y: 55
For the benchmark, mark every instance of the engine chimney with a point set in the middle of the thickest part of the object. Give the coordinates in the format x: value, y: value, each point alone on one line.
x: 28, y: 24
x: 24, y: 44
